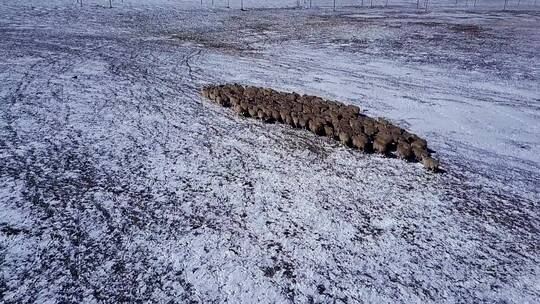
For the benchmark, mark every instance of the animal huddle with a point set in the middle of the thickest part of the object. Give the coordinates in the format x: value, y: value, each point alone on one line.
x: 323, y: 117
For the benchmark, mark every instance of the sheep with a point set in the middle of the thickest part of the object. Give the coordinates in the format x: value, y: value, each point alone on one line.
x: 223, y: 101
x: 353, y: 109
x: 370, y: 130
x: 275, y: 115
x: 344, y: 134
x: 329, y: 131
x: 245, y: 106
x: 303, y: 121
x: 419, y: 153
x: 206, y: 93
x: 307, y: 109
x: 267, y: 111
x: 238, y: 110
x: 392, y: 132
x: 316, y: 126
x: 288, y: 120
x: 292, y: 97
x: 404, y: 151
x: 361, y: 142
x: 356, y: 124
x: 252, y: 110
x: 344, y: 138
x: 295, y: 120
x: 233, y: 100
x: 211, y: 95
x: 323, y: 117
x: 430, y: 163
x: 335, y: 115
x: 382, y: 143
x: 418, y: 142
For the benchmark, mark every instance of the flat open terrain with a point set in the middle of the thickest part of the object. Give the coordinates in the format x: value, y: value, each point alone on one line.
x: 118, y: 182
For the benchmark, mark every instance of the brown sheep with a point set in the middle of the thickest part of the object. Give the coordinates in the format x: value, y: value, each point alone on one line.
x: 317, y: 101
x: 336, y: 116
x: 361, y: 141
x: 288, y: 120
x: 344, y: 138
x: 206, y: 93
x: 356, y: 124
x: 307, y: 109
x: 283, y: 114
x: 370, y: 130
x: 323, y: 117
x: 292, y: 97
x: 238, y: 109
x: 419, y: 143
x: 430, y: 163
x: 261, y: 115
x: 275, y: 115
x: 353, y: 109
x: 419, y: 153
x: 267, y: 111
x: 303, y: 121
x: 407, y: 136
x: 252, y: 110
x: 316, y: 126
x: 380, y: 146
x: 244, y: 105
x: 329, y: 131
x: 211, y: 95
x: 223, y: 101
x: 295, y: 120
x: 265, y: 117
x: 404, y: 151
x: 233, y: 100
x: 345, y: 134
x: 382, y: 142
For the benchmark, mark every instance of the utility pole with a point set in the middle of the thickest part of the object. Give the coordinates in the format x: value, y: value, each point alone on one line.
x: 110, y: 3
x: 334, y: 5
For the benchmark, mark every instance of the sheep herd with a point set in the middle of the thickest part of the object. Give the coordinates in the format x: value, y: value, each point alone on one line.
x: 325, y: 118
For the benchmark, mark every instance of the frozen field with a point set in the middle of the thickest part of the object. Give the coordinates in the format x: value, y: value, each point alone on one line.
x: 119, y: 183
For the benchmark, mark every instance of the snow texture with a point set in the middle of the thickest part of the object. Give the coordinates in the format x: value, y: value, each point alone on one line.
x: 119, y: 183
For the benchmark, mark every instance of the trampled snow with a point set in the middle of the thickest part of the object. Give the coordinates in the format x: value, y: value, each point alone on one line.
x: 118, y: 182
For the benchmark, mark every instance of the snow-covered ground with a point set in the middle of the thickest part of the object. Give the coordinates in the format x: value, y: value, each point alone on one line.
x: 119, y: 183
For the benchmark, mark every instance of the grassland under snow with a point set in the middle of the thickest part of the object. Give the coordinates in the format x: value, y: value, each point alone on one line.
x: 118, y: 182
